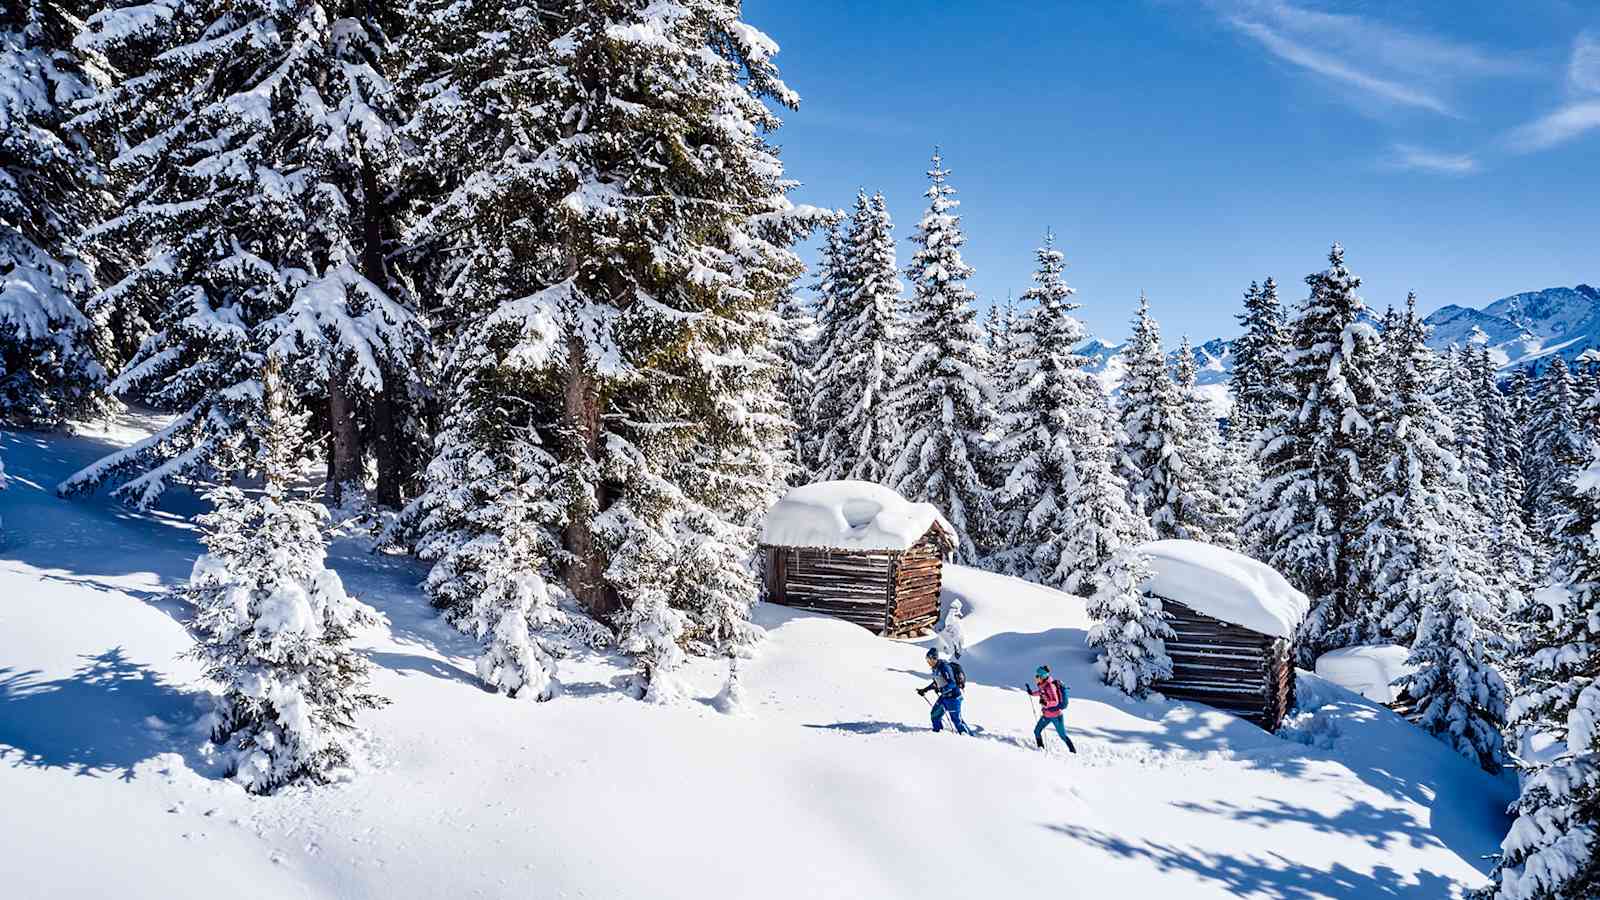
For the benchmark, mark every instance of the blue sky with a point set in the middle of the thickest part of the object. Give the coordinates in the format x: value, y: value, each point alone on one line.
x: 1186, y: 148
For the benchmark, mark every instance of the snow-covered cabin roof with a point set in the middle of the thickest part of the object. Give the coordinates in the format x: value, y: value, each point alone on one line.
x: 1225, y: 585
x: 849, y: 515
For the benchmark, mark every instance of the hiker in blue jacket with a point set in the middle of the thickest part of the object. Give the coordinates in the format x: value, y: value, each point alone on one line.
x: 949, y: 688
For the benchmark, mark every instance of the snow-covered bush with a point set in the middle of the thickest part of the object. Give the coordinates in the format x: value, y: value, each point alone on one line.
x: 273, y: 625
x: 731, y: 699
x: 1130, y: 626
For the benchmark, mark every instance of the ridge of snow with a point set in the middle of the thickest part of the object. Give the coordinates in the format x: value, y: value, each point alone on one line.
x: 849, y: 515
x: 1225, y: 585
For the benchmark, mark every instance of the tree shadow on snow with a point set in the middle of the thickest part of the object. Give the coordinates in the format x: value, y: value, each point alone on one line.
x: 1379, y: 827
x: 1345, y: 732
x: 407, y: 663
x: 1271, y: 876
x: 106, y: 718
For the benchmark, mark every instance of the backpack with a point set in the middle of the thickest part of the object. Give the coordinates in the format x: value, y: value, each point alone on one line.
x: 959, y: 673
x: 1063, y: 689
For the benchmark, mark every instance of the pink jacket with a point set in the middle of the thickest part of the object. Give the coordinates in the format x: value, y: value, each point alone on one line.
x: 1049, y: 698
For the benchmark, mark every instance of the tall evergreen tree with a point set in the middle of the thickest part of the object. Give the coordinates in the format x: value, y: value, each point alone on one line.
x: 1550, y: 850
x: 50, y: 190
x: 857, y: 352
x: 1403, y: 521
x: 1006, y: 338
x: 1511, y: 551
x: 943, y: 398
x: 274, y: 623
x: 1258, y: 361
x: 1312, y: 458
x: 241, y: 218
x: 1150, y: 418
x: 1068, y: 508
x: 1209, y: 504
x: 1555, y: 447
x: 796, y: 326
x: 632, y: 219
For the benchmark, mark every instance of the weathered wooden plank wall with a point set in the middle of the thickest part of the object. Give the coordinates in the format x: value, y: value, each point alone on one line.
x: 887, y: 592
x: 1227, y: 666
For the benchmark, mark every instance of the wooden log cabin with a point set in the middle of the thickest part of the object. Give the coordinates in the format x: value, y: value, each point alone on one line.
x: 859, y: 552
x: 1234, y: 621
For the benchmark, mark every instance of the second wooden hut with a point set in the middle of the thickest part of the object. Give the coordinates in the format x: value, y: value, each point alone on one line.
x: 1234, y: 621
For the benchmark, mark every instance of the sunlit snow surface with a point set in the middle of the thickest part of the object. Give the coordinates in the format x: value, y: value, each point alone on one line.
x: 829, y: 783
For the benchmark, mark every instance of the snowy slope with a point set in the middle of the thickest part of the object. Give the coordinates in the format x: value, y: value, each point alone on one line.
x: 830, y: 786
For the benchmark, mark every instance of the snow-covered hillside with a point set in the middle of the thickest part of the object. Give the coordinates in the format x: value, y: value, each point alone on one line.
x: 830, y: 784
x: 1520, y: 329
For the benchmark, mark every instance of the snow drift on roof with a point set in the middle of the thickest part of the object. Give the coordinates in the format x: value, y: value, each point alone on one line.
x: 1225, y: 585
x: 849, y: 515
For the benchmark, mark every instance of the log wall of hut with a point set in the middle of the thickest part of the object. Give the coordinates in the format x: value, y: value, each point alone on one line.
x: 1228, y: 666
x: 887, y: 592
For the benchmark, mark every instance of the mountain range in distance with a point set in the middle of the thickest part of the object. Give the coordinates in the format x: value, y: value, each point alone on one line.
x: 1521, y: 329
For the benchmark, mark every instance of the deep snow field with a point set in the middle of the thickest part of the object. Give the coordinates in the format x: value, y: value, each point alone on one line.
x: 830, y: 786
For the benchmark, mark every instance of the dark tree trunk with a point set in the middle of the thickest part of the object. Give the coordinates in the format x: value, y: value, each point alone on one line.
x: 385, y: 417
x: 344, y: 463
x: 581, y: 424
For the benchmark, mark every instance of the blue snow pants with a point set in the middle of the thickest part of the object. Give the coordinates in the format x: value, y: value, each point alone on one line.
x: 951, y: 705
x: 1061, y: 728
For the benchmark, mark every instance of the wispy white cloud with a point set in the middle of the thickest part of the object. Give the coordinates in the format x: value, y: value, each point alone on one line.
x: 1557, y: 127
x: 1331, y: 67
x: 1419, y: 159
x: 1581, y: 113
x: 1387, y: 65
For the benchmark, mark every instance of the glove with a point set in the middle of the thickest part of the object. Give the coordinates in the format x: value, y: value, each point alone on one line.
x: 922, y: 691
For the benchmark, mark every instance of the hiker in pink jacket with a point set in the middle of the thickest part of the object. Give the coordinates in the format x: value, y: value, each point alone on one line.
x: 1052, y: 696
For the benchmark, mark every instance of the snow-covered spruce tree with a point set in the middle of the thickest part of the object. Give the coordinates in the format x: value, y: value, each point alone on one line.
x: 797, y: 327
x: 1040, y: 415
x: 1460, y: 696
x: 1313, y: 455
x: 1459, y: 386
x: 1401, y: 525
x: 273, y: 623
x: 488, y: 520
x: 50, y: 190
x: 1150, y: 417
x: 858, y: 349
x: 1130, y: 627
x: 1006, y: 339
x: 1258, y: 361
x: 630, y: 208
x: 245, y: 218
x: 1208, y: 504
x: 943, y: 399
x: 1555, y: 447
x: 1550, y: 851
x: 1511, y: 552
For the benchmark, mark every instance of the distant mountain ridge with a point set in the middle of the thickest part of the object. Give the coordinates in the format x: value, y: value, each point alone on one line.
x: 1520, y: 329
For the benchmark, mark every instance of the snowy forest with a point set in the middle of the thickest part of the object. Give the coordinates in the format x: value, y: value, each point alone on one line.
x: 520, y: 289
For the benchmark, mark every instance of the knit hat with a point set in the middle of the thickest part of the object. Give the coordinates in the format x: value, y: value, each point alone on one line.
x: 1042, y: 672
x: 933, y: 653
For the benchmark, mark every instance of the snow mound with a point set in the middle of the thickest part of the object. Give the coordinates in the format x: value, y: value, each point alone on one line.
x: 849, y: 515
x: 1369, y: 670
x: 1225, y: 585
